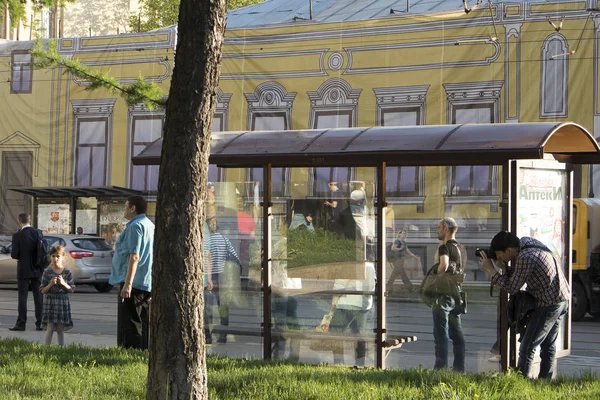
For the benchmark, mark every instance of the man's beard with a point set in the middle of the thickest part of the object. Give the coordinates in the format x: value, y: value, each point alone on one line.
x: 441, y: 237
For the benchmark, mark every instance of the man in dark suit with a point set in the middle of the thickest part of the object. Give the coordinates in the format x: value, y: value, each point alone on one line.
x: 24, y: 249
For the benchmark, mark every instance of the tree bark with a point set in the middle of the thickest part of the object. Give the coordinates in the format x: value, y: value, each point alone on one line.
x: 177, y: 368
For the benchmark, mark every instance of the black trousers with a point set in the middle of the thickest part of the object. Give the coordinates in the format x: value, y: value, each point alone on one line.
x: 132, y: 319
x: 23, y: 286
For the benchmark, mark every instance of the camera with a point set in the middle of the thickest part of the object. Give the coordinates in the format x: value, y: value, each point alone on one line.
x: 488, y: 252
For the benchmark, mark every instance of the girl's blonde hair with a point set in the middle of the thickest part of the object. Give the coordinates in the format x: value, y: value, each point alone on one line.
x: 57, y: 249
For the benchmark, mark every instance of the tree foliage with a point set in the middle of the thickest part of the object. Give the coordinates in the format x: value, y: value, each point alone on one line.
x: 16, y: 8
x: 139, y: 91
x: 154, y: 14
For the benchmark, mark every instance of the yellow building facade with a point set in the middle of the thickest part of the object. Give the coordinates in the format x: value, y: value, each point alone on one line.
x: 504, y: 64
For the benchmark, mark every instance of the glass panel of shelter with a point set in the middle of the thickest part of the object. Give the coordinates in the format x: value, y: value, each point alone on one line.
x: 234, y: 304
x: 324, y: 264
x: 414, y: 236
x: 323, y: 267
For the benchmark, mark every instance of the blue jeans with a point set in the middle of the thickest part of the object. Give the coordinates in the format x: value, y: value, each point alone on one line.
x: 447, y: 325
x: 542, y: 330
x: 285, y: 316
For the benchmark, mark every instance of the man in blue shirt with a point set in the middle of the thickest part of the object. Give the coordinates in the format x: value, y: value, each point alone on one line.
x: 132, y: 271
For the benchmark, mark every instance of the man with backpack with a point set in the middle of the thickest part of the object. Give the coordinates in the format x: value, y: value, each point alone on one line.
x: 448, y: 305
x: 532, y: 263
x: 25, y: 249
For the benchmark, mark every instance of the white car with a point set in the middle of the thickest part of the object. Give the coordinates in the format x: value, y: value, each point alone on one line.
x: 88, y: 257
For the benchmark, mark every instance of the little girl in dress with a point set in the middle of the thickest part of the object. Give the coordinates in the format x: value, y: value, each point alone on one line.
x: 57, y: 283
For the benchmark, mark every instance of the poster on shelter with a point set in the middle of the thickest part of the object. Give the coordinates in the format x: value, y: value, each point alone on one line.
x: 112, y: 221
x: 541, y: 207
x: 54, y: 218
x: 86, y: 219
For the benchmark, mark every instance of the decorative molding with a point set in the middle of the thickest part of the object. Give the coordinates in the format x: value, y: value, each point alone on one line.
x: 270, y: 97
x: 162, y: 39
x: 222, y: 107
x: 18, y: 141
x: 335, y: 61
x: 320, y: 71
x: 473, y: 93
x: 334, y: 94
x: 93, y: 107
x: 156, y: 79
x: 400, y: 97
x: 417, y: 67
x: 561, y: 66
x: 512, y: 30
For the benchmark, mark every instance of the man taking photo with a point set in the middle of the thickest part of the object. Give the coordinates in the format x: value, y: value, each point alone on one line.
x: 532, y: 263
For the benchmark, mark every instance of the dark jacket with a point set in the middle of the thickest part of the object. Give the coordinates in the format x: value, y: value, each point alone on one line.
x: 24, y: 249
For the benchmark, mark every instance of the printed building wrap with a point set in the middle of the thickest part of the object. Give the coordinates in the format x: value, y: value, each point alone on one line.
x: 353, y: 65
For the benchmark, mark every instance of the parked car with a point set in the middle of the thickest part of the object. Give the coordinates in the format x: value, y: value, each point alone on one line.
x: 88, y: 257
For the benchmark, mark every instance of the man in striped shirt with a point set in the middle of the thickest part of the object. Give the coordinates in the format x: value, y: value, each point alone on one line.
x: 532, y: 263
x: 221, y: 251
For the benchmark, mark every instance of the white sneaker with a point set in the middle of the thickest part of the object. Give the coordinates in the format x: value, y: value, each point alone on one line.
x: 495, y: 358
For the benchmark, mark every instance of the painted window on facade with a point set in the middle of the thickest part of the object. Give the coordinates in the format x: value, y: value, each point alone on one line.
x: 21, y: 73
x: 402, y: 106
x: 146, y: 129
x: 92, y: 135
x: 554, y: 82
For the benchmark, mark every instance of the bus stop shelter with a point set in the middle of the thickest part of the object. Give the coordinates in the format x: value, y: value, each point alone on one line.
x: 526, y: 166
x: 60, y: 210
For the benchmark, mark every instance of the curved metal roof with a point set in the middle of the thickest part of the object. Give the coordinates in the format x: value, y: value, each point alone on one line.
x: 469, y: 144
x: 270, y: 12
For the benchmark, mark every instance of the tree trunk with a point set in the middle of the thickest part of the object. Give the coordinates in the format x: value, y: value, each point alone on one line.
x: 177, y: 368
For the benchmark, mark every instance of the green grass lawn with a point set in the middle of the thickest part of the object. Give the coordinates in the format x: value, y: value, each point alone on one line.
x: 32, y: 371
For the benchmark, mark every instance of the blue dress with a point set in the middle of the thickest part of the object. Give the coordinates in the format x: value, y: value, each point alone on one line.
x: 57, y: 307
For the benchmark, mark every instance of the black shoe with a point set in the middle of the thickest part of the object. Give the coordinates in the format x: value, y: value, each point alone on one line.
x: 39, y: 328
x: 222, y: 339
x: 207, y: 340
x: 17, y: 328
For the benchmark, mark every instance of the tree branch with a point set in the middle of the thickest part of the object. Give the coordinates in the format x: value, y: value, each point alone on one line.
x: 139, y: 91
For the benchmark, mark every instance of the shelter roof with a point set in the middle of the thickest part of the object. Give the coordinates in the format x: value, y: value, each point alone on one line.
x: 271, y: 12
x: 469, y: 144
x: 77, y: 191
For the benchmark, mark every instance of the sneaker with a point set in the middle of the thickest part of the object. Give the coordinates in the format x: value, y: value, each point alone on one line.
x: 222, y: 339
x: 495, y: 358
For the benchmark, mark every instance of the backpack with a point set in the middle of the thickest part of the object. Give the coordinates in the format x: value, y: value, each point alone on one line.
x: 42, y: 261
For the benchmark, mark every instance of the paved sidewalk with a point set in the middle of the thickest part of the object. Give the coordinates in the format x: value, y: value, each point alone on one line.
x: 94, y: 317
x: 70, y: 338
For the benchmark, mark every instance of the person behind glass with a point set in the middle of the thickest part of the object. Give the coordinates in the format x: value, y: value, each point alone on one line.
x: 333, y: 205
x: 208, y: 285
x: 302, y: 218
x: 221, y: 251
x: 446, y: 308
x: 132, y: 271
x: 57, y: 283
x: 398, y: 255
x: 285, y: 306
x: 349, y: 312
x: 533, y: 264
x: 24, y: 249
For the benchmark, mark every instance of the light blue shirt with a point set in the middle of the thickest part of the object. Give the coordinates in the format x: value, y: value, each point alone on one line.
x: 137, y: 238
